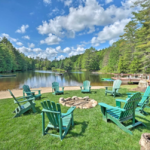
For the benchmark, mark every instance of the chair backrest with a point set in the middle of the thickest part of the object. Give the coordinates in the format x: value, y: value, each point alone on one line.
x: 15, y: 100
x: 130, y: 107
x: 116, y: 84
x: 145, y: 96
x: 54, y: 114
x: 86, y: 84
x: 55, y: 85
x: 27, y: 89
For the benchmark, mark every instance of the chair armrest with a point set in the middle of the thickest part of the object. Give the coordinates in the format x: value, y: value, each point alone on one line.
x: 62, y: 88
x: 118, y: 102
x: 110, y: 107
x: 81, y: 87
x: 30, y: 92
x: 89, y: 87
x: 23, y: 97
x: 39, y: 91
x: 35, y: 90
x: 27, y: 100
x: 106, y: 87
x: 121, y: 100
x: 69, y: 111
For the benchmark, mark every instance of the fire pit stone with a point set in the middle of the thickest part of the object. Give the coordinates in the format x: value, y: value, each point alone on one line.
x: 79, y: 102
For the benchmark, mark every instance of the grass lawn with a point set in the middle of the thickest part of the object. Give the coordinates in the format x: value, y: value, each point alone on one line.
x: 90, y: 131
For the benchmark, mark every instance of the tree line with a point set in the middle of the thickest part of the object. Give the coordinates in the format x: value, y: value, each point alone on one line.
x: 130, y: 54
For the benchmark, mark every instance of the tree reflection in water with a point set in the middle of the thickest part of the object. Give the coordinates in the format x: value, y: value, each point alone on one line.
x: 40, y: 78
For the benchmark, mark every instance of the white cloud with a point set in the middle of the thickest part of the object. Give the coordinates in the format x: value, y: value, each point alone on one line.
x: 22, y: 29
x: 37, y: 50
x: 73, y: 53
x: 26, y: 37
x: 86, y: 16
x: 47, y: 1
x: 31, y: 45
x: 51, y: 40
x: 67, y: 50
x: 54, y: 11
x: 80, y: 48
x: 19, y: 43
x: 51, y: 51
x: 108, y: 1
x: 9, y: 38
x: 24, y: 49
x: 6, y: 35
x: 58, y: 48
x: 76, y: 51
x: 110, y: 32
x: 112, y: 41
x: 60, y: 57
x: 67, y: 2
x: 31, y: 13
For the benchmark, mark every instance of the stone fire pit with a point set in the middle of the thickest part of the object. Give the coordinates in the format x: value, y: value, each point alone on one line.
x: 79, y: 102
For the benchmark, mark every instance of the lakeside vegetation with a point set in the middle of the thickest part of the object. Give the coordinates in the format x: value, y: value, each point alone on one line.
x: 89, y: 131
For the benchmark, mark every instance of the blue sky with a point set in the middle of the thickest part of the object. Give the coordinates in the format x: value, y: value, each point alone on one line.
x: 62, y: 28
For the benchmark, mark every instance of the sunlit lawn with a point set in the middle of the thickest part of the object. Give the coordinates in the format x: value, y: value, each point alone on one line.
x: 89, y: 132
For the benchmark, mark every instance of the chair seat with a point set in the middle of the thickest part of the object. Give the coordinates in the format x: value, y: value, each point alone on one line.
x: 66, y: 120
x: 114, y: 113
x: 25, y: 105
x: 108, y: 91
x: 85, y: 90
x: 38, y: 95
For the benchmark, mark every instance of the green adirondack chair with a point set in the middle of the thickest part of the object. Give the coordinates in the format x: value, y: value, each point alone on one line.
x: 119, y: 115
x: 115, y: 88
x: 143, y: 102
x: 28, y: 92
x: 21, y: 109
x: 57, y: 120
x: 86, y: 88
x: 55, y: 88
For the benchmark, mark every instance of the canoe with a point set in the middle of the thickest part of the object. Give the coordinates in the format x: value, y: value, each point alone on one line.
x: 58, y: 74
x: 107, y: 79
x: 9, y: 75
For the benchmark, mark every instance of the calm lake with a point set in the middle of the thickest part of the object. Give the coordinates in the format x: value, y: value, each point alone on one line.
x: 41, y: 78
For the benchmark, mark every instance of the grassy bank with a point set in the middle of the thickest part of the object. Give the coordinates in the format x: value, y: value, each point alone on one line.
x: 90, y: 131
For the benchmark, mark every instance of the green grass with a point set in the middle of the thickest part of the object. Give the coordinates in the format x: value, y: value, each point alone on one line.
x: 90, y: 131
x: 129, y: 87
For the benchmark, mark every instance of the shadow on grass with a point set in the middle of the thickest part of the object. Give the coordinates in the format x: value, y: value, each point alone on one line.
x: 38, y: 111
x: 83, y: 124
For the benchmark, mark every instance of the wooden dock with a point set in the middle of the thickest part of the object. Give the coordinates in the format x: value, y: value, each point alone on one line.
x: 126, y: 80
x: 134, y: 78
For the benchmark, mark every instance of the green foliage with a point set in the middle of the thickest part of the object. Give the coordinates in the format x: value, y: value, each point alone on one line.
x: 68, y: 65
x: 12, y: 60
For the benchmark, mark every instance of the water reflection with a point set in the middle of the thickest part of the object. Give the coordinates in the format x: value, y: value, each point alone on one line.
x: 40, y: 78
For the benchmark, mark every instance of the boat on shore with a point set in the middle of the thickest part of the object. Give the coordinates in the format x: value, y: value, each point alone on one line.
x: 58, y: 74
x: 107, y: 79
x: 9, y: 75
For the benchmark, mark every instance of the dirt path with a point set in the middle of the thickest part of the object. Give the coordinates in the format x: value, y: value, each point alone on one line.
x: 18, y: 92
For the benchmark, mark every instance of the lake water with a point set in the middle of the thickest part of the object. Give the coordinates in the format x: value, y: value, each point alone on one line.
x: 40, y: 78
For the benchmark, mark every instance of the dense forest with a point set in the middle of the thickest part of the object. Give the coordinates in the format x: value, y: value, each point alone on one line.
x: 130, y: 54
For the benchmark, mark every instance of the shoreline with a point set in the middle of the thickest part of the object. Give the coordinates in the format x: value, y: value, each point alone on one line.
x: 19, y: 92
